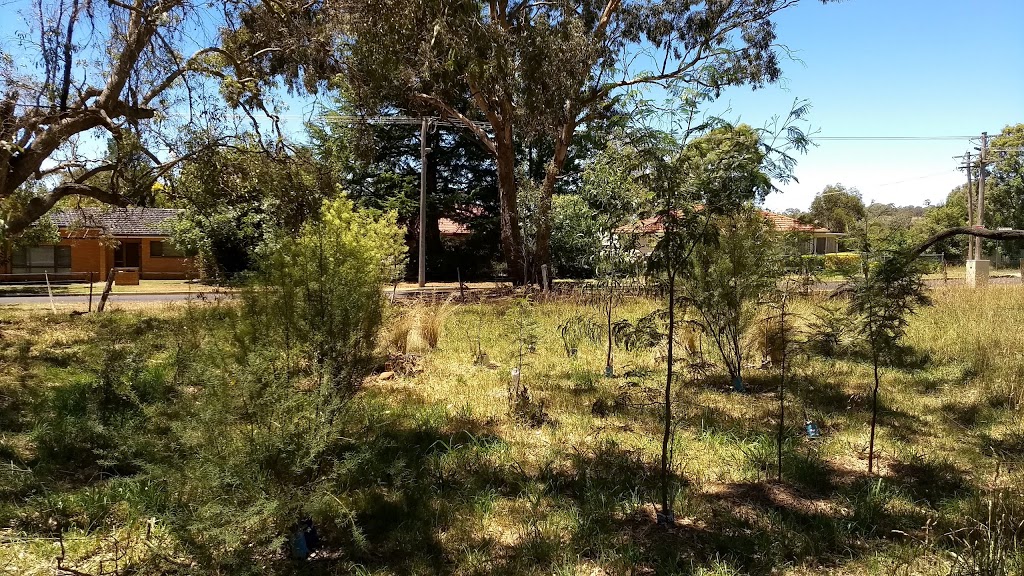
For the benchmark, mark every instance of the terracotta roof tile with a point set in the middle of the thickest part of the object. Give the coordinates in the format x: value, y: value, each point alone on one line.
x: 780, y: 222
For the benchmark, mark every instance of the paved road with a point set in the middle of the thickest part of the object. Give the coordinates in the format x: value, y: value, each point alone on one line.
x: 114, y: 298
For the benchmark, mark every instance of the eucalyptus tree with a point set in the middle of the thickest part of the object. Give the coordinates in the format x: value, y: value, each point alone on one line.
x: 532, y: 69
x: 82, y: 71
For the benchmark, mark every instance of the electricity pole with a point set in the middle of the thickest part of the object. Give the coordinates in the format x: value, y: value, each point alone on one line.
x: 981, y: 194
x: 969, y: 196
x: 424, y: 129
x: 426, y: 125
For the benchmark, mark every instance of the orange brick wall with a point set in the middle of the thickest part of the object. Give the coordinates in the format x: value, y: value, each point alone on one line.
x: 89, y: 254
x: 163, y: 267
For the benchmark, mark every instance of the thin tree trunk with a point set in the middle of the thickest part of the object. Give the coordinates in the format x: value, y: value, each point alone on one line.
x: 611, y: 294
x: 608, y: 360
x: 874, y: 413
x: 782, y: 384
x: 547, y: 191
x: 668, y: 391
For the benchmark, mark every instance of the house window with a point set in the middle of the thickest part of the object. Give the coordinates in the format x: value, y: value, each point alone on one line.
x: 40, y: 259
x: 162, y: 249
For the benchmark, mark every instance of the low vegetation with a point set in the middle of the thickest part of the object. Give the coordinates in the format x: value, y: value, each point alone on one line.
x: 146, y: 442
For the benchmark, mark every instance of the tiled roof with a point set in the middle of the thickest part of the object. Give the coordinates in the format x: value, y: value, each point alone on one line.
x: 786, y: 224
x: 780, y: 222
x: 131, y: 221
x: 450, y: 227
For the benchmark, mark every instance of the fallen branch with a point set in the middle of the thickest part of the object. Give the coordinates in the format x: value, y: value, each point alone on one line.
x: 998, y: 235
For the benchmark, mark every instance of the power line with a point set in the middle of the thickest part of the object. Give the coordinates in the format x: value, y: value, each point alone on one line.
x: 943, y: 173
x: 888, y: 138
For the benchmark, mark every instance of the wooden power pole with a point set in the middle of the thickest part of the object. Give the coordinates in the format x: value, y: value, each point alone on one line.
x: 980, y: 213
x: 426, y: 125
x: 970, y: 201
x: 424, y: 128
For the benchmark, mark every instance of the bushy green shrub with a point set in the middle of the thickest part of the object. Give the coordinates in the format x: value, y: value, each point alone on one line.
x: 318, y: 298
x: 95, y: 422
x: 269, y: 425
x: 842, y: 263
x: 812, y: 262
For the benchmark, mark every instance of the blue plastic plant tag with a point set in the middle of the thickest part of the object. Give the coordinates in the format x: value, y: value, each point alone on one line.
x: 812, y: 430
x: 298, y: 544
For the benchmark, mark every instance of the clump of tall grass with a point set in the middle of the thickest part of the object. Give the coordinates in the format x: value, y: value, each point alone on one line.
x: 432, y: 319
x: 992, y: 544
x: 396, y: 335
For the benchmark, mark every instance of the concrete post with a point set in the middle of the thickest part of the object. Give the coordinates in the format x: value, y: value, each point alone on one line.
x: 977, y: 273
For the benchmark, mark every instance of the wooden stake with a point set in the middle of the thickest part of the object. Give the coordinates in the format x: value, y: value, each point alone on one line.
x: 50, y: 292
x: 106, y: 291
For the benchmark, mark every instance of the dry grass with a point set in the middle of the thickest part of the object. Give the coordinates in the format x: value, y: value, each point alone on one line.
x: 492, y: 495
x: 431, y: 320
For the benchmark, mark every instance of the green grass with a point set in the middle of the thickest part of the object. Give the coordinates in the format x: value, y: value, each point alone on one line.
x: 434, y: 475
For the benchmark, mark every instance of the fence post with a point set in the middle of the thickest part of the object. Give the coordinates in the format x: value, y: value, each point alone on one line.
x: 49, y: 291
x: 1021, y: 264
x: 106, y: 291
x: 90, y: 291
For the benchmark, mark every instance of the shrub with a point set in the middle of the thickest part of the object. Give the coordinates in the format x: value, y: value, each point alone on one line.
x: 319, y: 297
x: 96, y: 422
x: 265, y: 425
x: 842, y: 263
x: 812, y: 262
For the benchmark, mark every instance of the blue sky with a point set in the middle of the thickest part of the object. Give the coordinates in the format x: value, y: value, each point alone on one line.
x: 893, y: 68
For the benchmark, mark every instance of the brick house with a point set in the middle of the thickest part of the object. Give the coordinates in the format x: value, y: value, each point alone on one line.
x: 95, y: 240
x: 814, y: 239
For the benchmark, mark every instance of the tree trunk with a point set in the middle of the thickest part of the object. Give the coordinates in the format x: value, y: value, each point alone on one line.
x: 547, y: 192
x: 512, y: 246
x: 668, y: 394
x: 874, y: 412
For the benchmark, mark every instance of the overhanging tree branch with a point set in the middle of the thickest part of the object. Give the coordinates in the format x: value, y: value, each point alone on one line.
x: 998, y: 235
x: 38, y: 206
x: 448, y: 110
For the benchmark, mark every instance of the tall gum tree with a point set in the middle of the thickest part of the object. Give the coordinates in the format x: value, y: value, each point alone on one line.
x: 85, y: 71
x: 532, y: 69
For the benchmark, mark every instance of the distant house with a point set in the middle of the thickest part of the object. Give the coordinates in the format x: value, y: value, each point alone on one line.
x: 456, y: 230
x: 451, y: 229
x: 98, y: 239
x: 817, y: 240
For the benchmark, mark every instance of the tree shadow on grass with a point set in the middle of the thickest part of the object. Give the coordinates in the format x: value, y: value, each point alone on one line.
x: 930, y: 480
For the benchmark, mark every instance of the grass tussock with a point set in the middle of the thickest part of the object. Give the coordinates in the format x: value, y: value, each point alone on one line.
x: 142, y: 435
x: 432, y: 318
